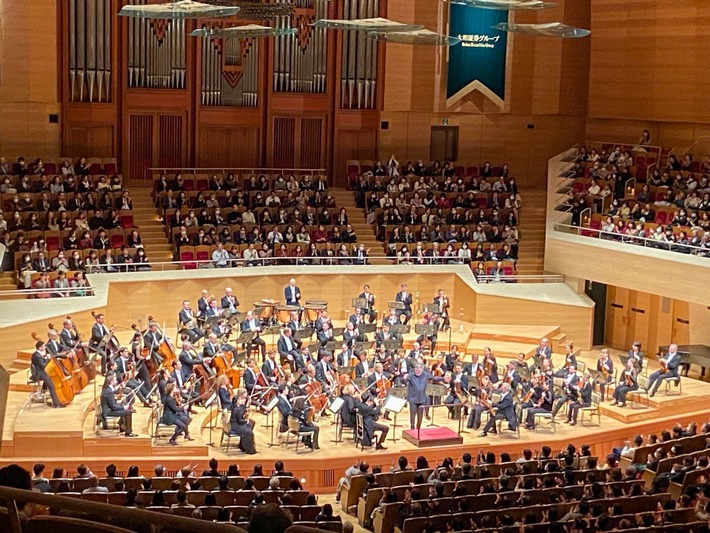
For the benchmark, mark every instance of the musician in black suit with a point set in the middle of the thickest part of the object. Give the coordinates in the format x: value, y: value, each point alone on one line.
x: 110, y: 407
x: 287, y: 348
x: 134, y: 381
x: 505, y: 409
x: 363, y: 368
x: 430, y: 319
x: 295, y: 325
x: 605, y: 366
x: 152, y: 340
x: 173, y: 414
x: 570, y: 389
x: 370, y: 411
x: 189, y: 360
x: 511, y: 376
x: 292, y: 294
x: 203, y: 304
x: 405, y: 297
x: 298, y: 411
x: 252, y: 324
x: 39, y: 362
x: 239, y: 423
x: 189, y: 322
x: 68, y: 336
x: 325, y: 334
x: 584, y: 399
x: 344, y: 358
x: 541, y: 402
x: 358, y: 317
x: 54, y: 345
x: 442, y: 302
x: 671, y: 362
x: 213, y: 310
x: 351, y: 335
x: 182, y: 383
x: 349, y: 408
x: 229, y: 301
x: 570, y: 360
x: 627, y: 382
x: 637, y: 354
x: 544, y: 349
x: 249, y: 377
x: 385, y: 334
x: 369, y: 309
x: 324, y: 373
x: 270, y: 368
x: 98, y: 332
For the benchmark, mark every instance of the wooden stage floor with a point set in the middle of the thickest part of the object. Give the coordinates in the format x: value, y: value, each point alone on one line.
x: 66, y: 436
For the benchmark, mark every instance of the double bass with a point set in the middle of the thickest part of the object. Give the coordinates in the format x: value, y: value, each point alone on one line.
x: 60, y: 376
x: 87, y: 365
x: 110, y: 341
x: 143, y: 354
x: 79, y: 377
x: 222, y: 363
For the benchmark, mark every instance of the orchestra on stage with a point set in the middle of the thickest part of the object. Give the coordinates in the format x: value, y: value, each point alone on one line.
x: 359, y: 374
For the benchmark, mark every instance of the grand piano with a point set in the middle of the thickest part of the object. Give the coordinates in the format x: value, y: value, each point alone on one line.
x: 691, y: 354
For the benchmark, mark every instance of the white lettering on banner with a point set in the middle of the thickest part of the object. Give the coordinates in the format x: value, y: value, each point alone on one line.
x: 478, y: 41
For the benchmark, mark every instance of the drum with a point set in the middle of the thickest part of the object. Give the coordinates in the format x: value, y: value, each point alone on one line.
x: 312, y: 311
x: 267, y: 308
x: 283, y: 312
x: 322, y: 303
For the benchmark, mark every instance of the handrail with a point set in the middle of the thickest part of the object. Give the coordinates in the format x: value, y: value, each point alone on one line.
x: 648, y: 148
x: 234, y: 170
x: 522, y: 278
x: 163, y: 520
x: 634, y: 239
x: 51, y: 290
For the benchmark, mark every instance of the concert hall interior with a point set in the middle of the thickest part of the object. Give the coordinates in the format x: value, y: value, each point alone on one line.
x: 400, y: 266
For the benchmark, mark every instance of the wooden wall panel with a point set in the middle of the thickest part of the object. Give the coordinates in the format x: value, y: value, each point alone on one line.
x: 170, y: 141
x: 284, y: 141
x: 617, y: 309
x: 311, y: 143
x: 140, y: 147
x: 227, y: 146
x: 28, y: 80
x: 97, y: 140
x: 642, y: 53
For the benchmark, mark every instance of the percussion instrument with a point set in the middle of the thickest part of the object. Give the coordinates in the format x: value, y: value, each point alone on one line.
x: 313, y: 311
x: 267, y: 308
x: 317, y: 302
x: 283, y: 312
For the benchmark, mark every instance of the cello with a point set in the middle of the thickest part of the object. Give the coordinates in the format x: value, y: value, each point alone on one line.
x: 222, y: 364
x: 60, y: 377
x: 142, y: 354
x: 316, y: 397
x: 87, y: 365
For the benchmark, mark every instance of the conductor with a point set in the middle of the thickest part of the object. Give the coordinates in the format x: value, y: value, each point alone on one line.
x: 416, y: 394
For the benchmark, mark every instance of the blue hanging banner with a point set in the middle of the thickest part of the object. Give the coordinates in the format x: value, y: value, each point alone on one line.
x: 478, y: 63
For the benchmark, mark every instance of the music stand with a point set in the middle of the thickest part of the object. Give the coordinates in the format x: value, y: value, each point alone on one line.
x: 359, y: 303
x: 367, y: 328
x: 424, y: 329
x: 210, y: 403
x: 538, y: 361
x: 367, y: 345
x: 245, y: 338
x: 239, y: 358
x: 432, y: 308
x: 304, y: 333
x: 337, y: 332
x: 334, y: 408
x: 331, y: 345
x: 394, y: 404
x: 624, y: 359
x: 392, y: 344
x: 395, y: 305
x: 345, y: 369
x: 269, y: 408
x: 212, y: 321
x: 399, y: 329
x: 434, y: 390
x: 236, y: 318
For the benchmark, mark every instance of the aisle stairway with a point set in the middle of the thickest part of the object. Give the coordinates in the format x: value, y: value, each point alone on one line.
x: 151, y: 229
x: 363, y: 230
x: 531, y: 252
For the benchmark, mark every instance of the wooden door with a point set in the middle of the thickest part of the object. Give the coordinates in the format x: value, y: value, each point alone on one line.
x: 155, y: 140
x: 298, y: 142
x: 617, y: 303
x: 681, y: 323
x: 639, y: 310
x: 140, y: 145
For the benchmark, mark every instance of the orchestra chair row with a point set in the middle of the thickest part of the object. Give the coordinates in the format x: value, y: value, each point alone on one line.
x: 356, y: 167
x: 223, y: 196
x: 201, y: 181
